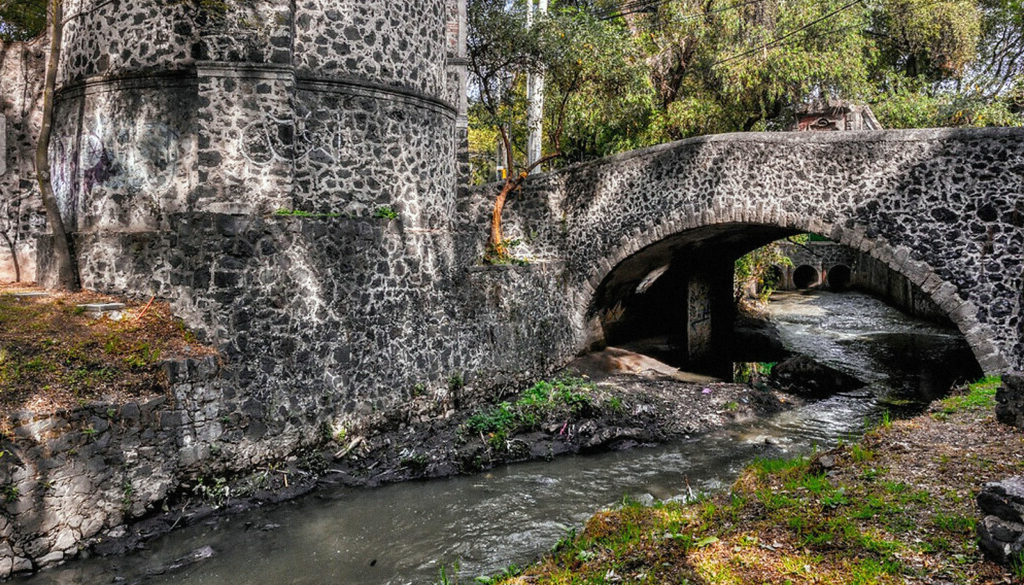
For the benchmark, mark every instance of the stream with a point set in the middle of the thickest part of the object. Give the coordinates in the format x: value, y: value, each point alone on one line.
x: 406, y: 533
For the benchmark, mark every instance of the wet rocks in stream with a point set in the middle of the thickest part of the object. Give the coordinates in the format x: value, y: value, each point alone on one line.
x: 802, y: 376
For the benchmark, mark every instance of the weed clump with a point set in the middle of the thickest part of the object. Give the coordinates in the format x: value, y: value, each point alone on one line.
x: 563, y: 397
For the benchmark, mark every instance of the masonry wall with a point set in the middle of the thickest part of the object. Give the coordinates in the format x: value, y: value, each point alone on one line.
x: 172, y: 162
x: 22, y: 67
x: 876, y: 277
x: 175, y: 159
x: 71, y: 475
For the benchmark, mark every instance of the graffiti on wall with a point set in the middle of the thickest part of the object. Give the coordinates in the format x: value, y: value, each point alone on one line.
x: 329, y: 136
x: 136, y: 159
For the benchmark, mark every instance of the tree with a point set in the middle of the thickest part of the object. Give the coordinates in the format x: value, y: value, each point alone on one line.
x: 19, y: 20
x: 718, y: 66
x: 67, y: 270
x: 570, y: 46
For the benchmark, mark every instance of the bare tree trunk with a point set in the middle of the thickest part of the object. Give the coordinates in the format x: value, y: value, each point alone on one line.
x: 14, y: 256
x: 496, y: 247
x: 67, y: 271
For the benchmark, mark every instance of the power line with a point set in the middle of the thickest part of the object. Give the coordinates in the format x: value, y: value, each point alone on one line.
x: 772, y: 43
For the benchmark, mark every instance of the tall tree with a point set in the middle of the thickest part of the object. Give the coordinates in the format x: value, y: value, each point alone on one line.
x: 21, y: 20
x: 564, y: 44
x: 67, y: 270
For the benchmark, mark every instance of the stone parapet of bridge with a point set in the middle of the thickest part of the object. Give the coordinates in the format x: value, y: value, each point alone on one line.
x: 944, y: 208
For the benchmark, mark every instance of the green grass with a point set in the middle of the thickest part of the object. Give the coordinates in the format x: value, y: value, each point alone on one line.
x: 385, y: 212
x: 784, y: 466
x: 566, y: 395
x: 981, y: 395
x: 304, y: 214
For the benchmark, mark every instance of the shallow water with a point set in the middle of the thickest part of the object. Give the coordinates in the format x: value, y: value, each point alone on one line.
x: 404, y: 533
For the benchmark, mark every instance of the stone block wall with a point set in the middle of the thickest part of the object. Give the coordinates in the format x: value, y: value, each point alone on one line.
x: 71, y: 475
x: 874, y: 276
x: 1010, y: 400
x: 360, y: 149
x: 402, y: 45
x: 1001, y: 529
x: 22, y: 68
x: 114, y: 39
x: 123, y: 152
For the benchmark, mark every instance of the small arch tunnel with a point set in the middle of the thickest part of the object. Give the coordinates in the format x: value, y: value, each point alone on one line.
x: 675, y: 300
x: 839, y: 277
x: 806, y: 276
x: 663, y: 300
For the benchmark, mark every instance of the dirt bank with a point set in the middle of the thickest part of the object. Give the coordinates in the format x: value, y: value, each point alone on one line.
x: 897, y: 507
x: 613, y: 400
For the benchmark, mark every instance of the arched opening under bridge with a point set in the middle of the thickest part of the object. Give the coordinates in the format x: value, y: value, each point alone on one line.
x: 675, y: 300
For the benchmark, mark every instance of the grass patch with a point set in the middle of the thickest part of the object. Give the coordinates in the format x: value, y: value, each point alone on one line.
x: 565, y: 396
x: 385, y: 212
x: 980, y: 395
x: 53, y: 355
x: 305, y: 214
x: 893, y: 508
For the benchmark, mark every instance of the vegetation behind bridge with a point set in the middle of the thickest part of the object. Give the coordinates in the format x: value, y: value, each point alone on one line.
x: 669, y: 69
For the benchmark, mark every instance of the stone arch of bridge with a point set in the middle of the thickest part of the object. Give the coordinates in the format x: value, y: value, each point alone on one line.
x: 708, y: 243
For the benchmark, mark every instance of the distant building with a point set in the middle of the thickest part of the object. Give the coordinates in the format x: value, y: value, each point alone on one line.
x: 834, y: 115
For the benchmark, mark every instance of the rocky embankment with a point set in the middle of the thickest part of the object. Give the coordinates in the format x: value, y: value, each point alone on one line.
x: 614, y: 399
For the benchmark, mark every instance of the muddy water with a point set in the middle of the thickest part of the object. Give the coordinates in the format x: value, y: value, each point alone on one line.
x: 405, y: 533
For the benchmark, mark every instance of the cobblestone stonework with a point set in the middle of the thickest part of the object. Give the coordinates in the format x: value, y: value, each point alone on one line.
x: 177, y: 144
x: 68, y: 476
x: 1001, y: 529
x: 944, y: 208
x: 21, y: 213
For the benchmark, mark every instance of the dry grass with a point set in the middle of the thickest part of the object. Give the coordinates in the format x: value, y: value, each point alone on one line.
x: 54, y: 356
x: 895, y: 508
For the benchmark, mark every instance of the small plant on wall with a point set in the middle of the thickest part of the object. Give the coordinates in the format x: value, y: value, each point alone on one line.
x: 385, y: 212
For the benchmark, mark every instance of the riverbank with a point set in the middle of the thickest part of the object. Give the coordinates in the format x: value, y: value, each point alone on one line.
x: 611, y: 400
x: 623, y: 401
x: 896, y: 507
x: 104, y: 400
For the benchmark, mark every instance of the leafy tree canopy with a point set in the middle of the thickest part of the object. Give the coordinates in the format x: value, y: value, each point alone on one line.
x: 21, y: 20
x: 650, y: 71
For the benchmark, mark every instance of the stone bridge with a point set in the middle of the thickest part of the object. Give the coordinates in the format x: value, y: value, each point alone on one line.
x: 177, y: 144
x: 944, y: 208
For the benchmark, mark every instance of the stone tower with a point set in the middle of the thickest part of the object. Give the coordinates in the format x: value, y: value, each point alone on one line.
x: 253, y: 106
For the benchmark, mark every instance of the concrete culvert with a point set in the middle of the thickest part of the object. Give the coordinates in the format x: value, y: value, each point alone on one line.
x: 839, y: 277
x: 805, y: 276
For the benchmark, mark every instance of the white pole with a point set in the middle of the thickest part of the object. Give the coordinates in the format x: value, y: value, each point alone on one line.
x: 535, y: 98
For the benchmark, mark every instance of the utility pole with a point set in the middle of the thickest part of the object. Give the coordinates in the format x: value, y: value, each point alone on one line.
x: 535, y: 96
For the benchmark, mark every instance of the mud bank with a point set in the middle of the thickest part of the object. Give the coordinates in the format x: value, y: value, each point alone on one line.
x: 632, y: 401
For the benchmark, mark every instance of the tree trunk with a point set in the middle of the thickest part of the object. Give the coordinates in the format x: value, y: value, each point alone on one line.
x: 67, y: 271
x: 496, y: 248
